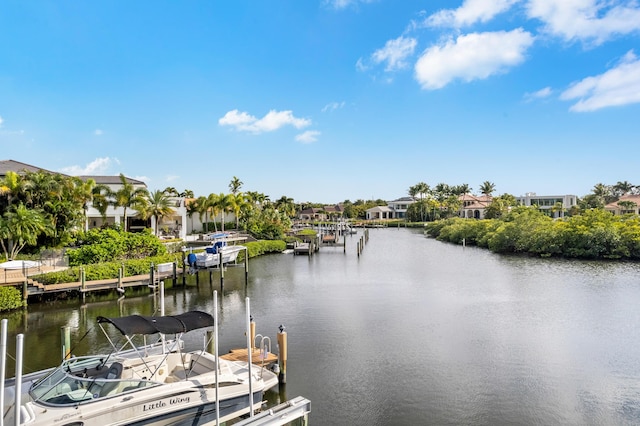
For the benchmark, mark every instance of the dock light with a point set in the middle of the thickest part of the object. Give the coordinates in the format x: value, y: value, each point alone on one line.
x: 281, y: 327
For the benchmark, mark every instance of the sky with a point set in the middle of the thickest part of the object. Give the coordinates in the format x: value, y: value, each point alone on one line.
x: 328, y: 100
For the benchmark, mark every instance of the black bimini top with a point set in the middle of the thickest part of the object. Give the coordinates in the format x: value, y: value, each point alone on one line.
x: 170, y: 324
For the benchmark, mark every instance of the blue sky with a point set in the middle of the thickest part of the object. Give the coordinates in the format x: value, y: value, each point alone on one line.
x: 325, y: 100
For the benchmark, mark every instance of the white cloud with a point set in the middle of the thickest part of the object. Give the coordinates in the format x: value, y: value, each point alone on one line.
x: 309, y: 136
x: 593, y: 20
x: 469, y: 13
x: 96, y: 167
x: 98, y: 132
x: 332, y: 106
x: 1, y: 121
x: 540, y: 94
x: 395, y: 52
x: 274, y: 120
x: 171, y: 178
x: 617, y: 86
x: 471, y: 57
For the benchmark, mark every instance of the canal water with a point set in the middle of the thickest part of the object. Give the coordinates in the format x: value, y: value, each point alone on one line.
x: 412, y: 332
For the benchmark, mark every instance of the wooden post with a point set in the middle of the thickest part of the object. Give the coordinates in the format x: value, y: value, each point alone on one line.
x: 120, y: 273
x: 25, y: 291
x: 65, y: 335
x: 282, y: 354
x: 175, y: 273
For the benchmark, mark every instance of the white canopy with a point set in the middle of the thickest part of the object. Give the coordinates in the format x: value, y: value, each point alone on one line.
x: 19, y: 264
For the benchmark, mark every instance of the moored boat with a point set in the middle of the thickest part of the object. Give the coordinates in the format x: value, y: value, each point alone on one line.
x: 156, y: 384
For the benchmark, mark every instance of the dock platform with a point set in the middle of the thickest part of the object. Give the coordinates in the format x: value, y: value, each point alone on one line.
x: 257, y: 356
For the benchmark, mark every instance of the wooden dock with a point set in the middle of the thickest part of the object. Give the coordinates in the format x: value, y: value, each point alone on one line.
x: 257, y: 356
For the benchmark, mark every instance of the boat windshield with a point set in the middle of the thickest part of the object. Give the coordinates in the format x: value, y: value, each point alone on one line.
x: 82, y: 380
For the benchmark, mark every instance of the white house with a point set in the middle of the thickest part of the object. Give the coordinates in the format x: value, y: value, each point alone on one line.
x: 554, y: 205
x: 396, y: 209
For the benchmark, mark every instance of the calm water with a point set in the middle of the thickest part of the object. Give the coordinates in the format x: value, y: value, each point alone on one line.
x: 415, y: 332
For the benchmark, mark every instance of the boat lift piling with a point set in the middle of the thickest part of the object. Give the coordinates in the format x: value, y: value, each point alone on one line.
x: 65, y: 337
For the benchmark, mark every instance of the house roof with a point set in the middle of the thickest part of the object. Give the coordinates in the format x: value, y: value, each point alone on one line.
x: 19, y: 167
x: 404, y: 200
x: 628, y: 197
x: 380, y: 209
x: 111, y: 180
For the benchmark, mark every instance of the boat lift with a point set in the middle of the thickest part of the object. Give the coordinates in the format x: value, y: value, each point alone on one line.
x: 286, y: 413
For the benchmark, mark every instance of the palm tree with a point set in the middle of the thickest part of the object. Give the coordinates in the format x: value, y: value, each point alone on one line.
x: 487, y: 188
x: 192, y: 208
x: 170, y: 190
x: 239, y: 204
x: 201, y: 206
x: 235, y: 185
x: 21, y: 226
x: 286, y: 206
x: 224, y: 204
x: 11, y: 186
x: 627, y: 206
x: 622, y: 188
x: 157, y: 206
x: 212, y: 206
x: 187, y: 193
x: 83, y: 193
x: 100, y: 199
x: 128, y: 196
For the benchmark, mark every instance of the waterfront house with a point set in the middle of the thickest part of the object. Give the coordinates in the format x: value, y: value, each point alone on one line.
x: 172, y: 225
x: 628, y: 203
x: 396, y: 209
x: 554, y: 205
x: 474, y: 206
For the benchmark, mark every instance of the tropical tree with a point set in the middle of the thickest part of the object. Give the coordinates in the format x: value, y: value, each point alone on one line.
x: 128, y: 196
x: 83, y: 193
x: 187, y: 193
x: 191, y: 210
x: 622, y: 188
x: 158, y: 205
x: 627, y: 206
x: 201, y: 206
x: 286, y: 205
x: 11, y: 186
x: 235, y: 185
x: 100, y: 199
x: 224, y: 204
x: 21, y: 226
x: 171, y: 191
x: 487, y: 188
x: 212, y: 207
x: 240, y: 204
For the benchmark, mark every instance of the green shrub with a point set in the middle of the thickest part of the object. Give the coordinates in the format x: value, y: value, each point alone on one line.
x: 10, y: 298
x: 107, y: 245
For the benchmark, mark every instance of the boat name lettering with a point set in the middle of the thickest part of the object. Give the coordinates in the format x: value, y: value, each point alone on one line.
x: 163, y: 403
x: 179, y: 400
x: 68, y: 416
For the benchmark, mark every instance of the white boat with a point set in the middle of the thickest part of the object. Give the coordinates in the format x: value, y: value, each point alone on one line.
x: 150, y: 385
x: 210, y: 258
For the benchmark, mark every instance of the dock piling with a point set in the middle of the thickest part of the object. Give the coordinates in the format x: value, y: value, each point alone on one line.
x: 282, y: 353
x: 65, y: 335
